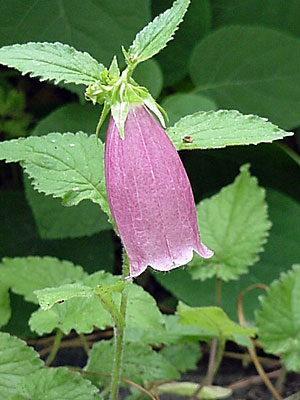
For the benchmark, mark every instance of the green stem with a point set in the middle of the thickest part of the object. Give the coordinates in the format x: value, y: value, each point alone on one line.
x: 84, y: 342
x: 55, y: 347
x: 119, y: 331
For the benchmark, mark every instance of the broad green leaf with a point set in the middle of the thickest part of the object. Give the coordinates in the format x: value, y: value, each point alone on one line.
x: 99, y: 27
x: 154, y: 37
x: 50, y: 296
x: 181, y: 104
x: 19, y: 237
x: 217, y: 129
x: 234, y: 223
x: 184, y: 355
x: 284, y: 234
x: 82, y: 314
x: 282, y: 15
x: 195, y: 25
x: 57, y: 383
x: 212, y: 318
x: 5, y: 311
x: 140, y: 363
x: 55, y: 221
x: 149, y: 74
x: 72, y: 117
x: 187, y: 389
x: 17, y: 360
x: 64, y: 165
x: 52, y: 61
x: 240, y: 74
x: 25, y: 275
x: 278, y: 321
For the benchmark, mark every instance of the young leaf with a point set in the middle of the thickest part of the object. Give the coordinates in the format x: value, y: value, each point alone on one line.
x: 27, y: 274
x: 57, y: 383
x: 278, y: 322
x: 212, y: 318
x: 217, y: 129
x: 82, y: 314
x: 234, y: 223
x: 52, y: 61
x: 188, y: 389
x: 17, y: 360
x: 239, y: 72
x: 157, y: 33
x: 140, y: 363
x: 50, y: 296
x: 66, y: 165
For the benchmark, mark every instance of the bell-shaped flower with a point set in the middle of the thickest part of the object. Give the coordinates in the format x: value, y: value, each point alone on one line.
x: 150, y: 195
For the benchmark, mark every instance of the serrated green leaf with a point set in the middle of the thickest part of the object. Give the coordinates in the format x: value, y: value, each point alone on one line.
x: 187, y: 389
x: 239, y: 72
x: 181, y: 104
x: 278, y: 322
x: 157, y: 33
x: 5, y: 311
x: 67, y: 165
x: 55, y: 221
x: 82, y: 314
x: 140, y: 363
x: 50, y: 296
x: 17, y: 360
x: 234, y: 223
x: 27, y: 274
x: 52, y: 61
x: 57, y: 383
x: 212, y: 318
x: 184, y: 355
x: 217, y: 129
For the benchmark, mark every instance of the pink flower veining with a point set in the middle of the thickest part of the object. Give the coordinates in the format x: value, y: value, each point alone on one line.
x: 150, y: 196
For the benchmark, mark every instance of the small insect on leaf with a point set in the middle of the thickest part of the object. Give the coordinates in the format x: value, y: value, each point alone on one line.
x: 187, y: 139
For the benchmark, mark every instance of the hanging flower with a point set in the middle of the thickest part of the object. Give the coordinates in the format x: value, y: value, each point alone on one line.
x: 149, y: 195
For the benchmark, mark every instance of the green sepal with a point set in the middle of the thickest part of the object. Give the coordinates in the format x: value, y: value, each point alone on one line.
x: 114, y: 71
x: 105, y: 294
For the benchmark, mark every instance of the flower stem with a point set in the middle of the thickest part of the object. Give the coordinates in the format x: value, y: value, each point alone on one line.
x: 84, y: 342
x: 119, y: 331
x: 55, y: 347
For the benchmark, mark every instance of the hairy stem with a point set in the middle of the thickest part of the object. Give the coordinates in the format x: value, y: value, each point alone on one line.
x: 84, y: 342
x: 55, y: 347
x: 119, y: 331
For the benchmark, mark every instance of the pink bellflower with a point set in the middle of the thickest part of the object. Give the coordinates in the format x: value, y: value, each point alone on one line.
x: 149, y: 195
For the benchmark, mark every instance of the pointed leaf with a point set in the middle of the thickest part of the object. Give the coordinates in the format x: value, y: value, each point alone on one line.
x: 279, y: 320
x: 157, y: 33
x: 52, y: 61
x: 57, y: 383
x: 17, y: 360
x: 234, y: 223
x: 212, y: 318
x: 50, y: 296
x: 25, y: 275
x: 63, y: 165
x: 140, y: 363
x: 217, y: 129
